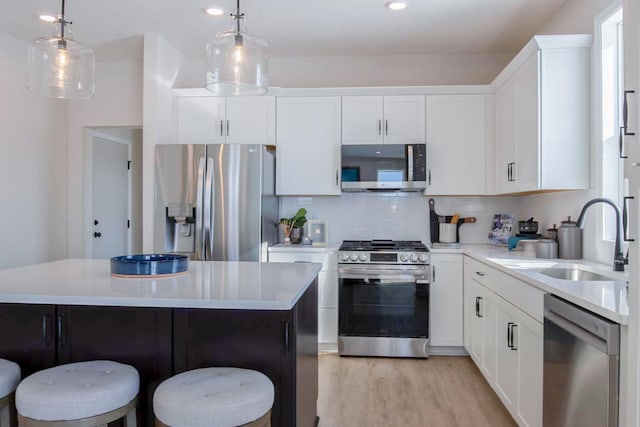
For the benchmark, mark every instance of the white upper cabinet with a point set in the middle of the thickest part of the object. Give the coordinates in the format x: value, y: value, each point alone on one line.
x: 199, y: 119
x: 456, y: 144
x: 308, y: 146
x: 251, y: 120
x: 383, y: 119
x: 542, y: 117
x: 218, y: 120
x: 362, y: 119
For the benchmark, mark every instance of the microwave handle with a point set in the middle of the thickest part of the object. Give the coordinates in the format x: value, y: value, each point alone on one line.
x: 409, y: 162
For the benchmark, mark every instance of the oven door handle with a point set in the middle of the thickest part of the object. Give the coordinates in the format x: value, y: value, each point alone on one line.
x: 355, y: 273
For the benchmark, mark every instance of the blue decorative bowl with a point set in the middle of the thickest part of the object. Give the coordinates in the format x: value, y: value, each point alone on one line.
x: 152, y: 265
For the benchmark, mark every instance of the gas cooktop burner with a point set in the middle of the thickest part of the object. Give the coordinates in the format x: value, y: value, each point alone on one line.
x: 383, y: 245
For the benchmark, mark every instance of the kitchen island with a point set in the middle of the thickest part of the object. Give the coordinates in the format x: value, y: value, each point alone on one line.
x: 253, y: 315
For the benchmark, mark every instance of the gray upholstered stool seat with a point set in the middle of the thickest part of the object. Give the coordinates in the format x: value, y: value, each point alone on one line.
x: 9, y: 379
x: 214, y: 397
x: 79, y: 391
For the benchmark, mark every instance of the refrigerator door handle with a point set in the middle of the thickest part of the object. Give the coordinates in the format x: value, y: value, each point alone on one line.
x: 199, y: 237
x: 208, y: 211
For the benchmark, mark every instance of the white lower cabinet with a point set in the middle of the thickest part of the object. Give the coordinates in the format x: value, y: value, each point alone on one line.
x: 327, y: 285
x: 505, y: 342
x: 445, y: 296
x: 483, y: 331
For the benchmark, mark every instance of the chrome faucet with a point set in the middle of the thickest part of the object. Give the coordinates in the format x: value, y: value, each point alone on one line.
x: 619, y: 260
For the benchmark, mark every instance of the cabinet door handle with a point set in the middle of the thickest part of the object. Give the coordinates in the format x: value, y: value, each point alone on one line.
x: 480, y: 273
x: 227, y: 127
x: 478, y: 307
x: 286, y: 337
x: 509, y: 335
x: 221, y: 127
x: 379, y: 126
x: 386, y: 127
x: 625, y: 113
x: 61, y: 334
x: 621, y: 143
x: 337, y: 178
x: 429, y: 177
x: 46, y: 320
x: 513, y: 337
x: 625, y: 218
x: 433, y: 273
x: 509, y: 172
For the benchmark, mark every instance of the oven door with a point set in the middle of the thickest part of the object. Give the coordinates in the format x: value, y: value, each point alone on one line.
x: 383, y: 301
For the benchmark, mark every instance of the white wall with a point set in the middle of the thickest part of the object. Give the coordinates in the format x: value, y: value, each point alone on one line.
x: 574, y: 17
x: 118, y: 102
x: 32, y: 166
x: 358, y: 71
x: 162, y: 64
x: 397, y: 216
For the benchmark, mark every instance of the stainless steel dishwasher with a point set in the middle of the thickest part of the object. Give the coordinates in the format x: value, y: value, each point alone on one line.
x: 581, y: 367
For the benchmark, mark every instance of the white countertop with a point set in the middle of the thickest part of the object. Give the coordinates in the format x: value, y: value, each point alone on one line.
x: 606, y: 298
x: 215, y: 285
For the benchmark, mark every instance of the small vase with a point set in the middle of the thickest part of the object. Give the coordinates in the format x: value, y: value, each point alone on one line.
x: 287, y: 241
x: 296, y: 235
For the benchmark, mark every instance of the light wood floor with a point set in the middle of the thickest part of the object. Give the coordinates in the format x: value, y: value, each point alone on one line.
x: 382, y: 392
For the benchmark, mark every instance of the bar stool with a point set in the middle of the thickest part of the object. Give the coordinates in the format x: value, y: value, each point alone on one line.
x: 78, y: 395
x: 214, y: 397
x: 9, y: 379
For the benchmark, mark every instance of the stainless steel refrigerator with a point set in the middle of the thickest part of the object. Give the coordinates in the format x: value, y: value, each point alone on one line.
x: 216, y: 202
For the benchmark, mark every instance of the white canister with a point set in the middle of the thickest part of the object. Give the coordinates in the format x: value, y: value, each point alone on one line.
x: 448, y: 232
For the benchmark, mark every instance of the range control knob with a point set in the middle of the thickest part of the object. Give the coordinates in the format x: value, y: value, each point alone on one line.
x: 424, y: 258
x: 354, y: 257
x: 345, y: 257
x: 363, y: 257
x: 414, y: 257
x: 404, y: 258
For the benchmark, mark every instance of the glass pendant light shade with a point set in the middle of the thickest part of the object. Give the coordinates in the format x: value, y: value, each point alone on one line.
x: 237, y: 62
x: 60, y: 67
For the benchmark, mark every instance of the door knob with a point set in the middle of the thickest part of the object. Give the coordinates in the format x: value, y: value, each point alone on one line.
x: 97, y: 234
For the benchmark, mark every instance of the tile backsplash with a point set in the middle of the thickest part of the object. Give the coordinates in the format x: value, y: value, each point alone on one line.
x: 397, y: 216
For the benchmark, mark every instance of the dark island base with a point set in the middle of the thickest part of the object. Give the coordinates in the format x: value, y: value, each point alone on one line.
x: 161, y: 342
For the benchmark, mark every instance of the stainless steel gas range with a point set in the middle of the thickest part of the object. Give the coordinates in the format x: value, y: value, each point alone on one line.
x: 383, y: 298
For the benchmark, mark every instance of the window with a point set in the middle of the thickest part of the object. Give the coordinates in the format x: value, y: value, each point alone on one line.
x: 611, y: 69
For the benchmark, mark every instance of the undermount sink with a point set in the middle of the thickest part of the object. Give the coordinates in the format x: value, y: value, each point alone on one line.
x: 575, y: 274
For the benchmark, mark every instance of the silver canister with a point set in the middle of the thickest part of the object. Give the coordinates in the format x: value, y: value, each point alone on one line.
x: 547, y: 248
x: 569, y: 240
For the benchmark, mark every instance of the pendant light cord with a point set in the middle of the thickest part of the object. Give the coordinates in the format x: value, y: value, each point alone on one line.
x: 237, y: 15
x: 63, y: 22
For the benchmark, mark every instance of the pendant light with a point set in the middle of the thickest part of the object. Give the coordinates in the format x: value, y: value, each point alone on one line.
x: 59, y: 66
x: 237, y: 61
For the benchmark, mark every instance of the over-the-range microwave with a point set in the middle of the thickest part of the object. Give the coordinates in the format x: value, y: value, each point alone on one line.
x: 384, y: 167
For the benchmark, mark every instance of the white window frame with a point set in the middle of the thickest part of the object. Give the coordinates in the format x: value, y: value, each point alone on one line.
x: 604, y: 247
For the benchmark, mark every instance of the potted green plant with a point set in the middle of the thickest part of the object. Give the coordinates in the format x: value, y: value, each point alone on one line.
x: 292, y: 228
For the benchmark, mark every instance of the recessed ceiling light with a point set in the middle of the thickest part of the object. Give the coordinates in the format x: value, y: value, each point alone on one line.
x: 47, y: 18
x: 396, y: 5
x: 215, y: 11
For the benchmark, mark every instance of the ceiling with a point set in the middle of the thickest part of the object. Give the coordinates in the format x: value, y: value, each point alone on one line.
x: 114, y: 28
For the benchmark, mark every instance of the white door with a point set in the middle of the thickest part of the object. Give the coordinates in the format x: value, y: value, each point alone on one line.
x: 362, y: 121
x: 251, y: 120
x: 308, y: 140
x: 110, y: 193
x: 456, y: 140
x: 404, y: 119
x: 445, y: 299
